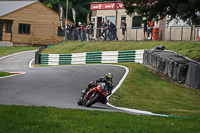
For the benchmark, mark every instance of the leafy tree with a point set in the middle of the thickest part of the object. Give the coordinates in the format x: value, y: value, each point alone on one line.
x: 184, y: 9
x: 81, y: 6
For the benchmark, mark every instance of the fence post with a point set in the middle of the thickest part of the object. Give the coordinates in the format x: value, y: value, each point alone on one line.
x: 126, y: 34
x: 182, y: 34
x: 107, y: 35
x: 98, y: 34
x: 136, y: 34
x: 170, y: 34
x: 191, y: 33
x: 81, y: 35
x: 194, y: 33
x: 73, y: 34
x: 158, y: 33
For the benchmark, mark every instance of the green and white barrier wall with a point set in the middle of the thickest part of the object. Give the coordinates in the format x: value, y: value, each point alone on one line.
x: 92, y: 57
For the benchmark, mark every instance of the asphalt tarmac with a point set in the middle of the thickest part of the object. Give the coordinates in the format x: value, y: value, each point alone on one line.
x: 55, y: 86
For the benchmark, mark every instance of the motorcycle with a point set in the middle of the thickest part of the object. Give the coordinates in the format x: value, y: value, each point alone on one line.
x: 96, y: 94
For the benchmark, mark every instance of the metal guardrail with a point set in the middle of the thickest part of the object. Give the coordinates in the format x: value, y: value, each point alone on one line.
x: 92, y: 57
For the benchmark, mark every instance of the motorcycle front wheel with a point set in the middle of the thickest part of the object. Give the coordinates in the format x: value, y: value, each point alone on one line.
x: 93, y: 98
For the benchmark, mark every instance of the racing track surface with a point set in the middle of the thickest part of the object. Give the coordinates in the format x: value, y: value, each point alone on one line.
x: 55, y: 86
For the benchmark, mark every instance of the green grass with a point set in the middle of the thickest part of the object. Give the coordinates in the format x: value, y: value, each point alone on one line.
x: 46, y: 120
x: 10, y: 50
x: 189, y: 49
x: 142, y: 90
x: 3, y: 74
x: 147, y: 91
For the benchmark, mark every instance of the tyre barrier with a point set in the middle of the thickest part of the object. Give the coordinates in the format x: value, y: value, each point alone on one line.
x: 92, y: 57
x: 175, y: 66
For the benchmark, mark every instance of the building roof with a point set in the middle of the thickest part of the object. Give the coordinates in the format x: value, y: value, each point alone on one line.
x: 10, y: 6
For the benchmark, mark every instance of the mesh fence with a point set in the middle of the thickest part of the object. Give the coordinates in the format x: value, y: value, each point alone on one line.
x: 172, y: 33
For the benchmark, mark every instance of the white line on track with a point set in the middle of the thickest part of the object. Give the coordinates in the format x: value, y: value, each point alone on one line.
x: 18, y: 73
x: 31, y: 63
x: 127, y: 109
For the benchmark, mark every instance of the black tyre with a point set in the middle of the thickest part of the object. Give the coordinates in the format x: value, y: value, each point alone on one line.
x: 104, y: 100
x: 80, y: 101
x: 93, y: 98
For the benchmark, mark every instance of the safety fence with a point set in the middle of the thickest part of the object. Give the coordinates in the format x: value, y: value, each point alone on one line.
x: 167, y: 33
x: 92, y: 57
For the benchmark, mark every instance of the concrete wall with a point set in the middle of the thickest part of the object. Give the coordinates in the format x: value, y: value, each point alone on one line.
x: 6, y: 44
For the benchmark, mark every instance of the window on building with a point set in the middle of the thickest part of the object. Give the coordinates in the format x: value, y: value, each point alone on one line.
x: 24, y: 28
x: 111, y: 18
x: 8, y: 27
x: 136, y: 22
x: 123, y: 17
x: 60, y: 31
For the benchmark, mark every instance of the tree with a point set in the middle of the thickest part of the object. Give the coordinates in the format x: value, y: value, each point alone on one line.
x: 183, y: 9
x: 81, y: 6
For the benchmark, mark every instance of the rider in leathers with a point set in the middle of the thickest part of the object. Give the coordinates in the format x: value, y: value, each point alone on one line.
x: 109, y: 86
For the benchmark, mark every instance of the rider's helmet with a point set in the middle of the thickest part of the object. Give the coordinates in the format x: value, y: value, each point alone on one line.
x: 109, y: 77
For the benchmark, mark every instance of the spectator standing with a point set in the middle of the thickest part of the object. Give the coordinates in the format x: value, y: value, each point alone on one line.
x: 103, y: 30
x: 87, y: 32
x: 123, y: 26
x: 109, y: 30
x: 150, y: 29
x: 91, y: 29
x: 112, y: 29
x: 66, y: 32
x: 71, y: 31
x: 81, y: 30
x: 145, y: 28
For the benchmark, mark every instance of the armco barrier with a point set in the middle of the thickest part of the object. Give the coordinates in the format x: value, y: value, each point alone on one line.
x: 92, y: 57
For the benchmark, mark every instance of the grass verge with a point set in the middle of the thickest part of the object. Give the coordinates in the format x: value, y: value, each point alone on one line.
x: 45, y: 119
x: 11, y: 50
x: 189, y: 49
x: 141, y: 90
x: 147, y: 91
x: 3, y: 74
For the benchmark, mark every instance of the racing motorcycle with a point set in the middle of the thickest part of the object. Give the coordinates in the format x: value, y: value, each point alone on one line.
x: 96, y: 94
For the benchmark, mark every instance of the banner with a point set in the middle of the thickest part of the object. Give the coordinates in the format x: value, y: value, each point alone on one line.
x: 61, y: 17
x: 88, y: 18
x: 74, y: 15
x: 106, y: 6
x: 102, y: 6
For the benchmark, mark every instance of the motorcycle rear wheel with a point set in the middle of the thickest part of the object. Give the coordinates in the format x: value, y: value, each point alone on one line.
x: 92, y: 99
x: 81, y: 101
